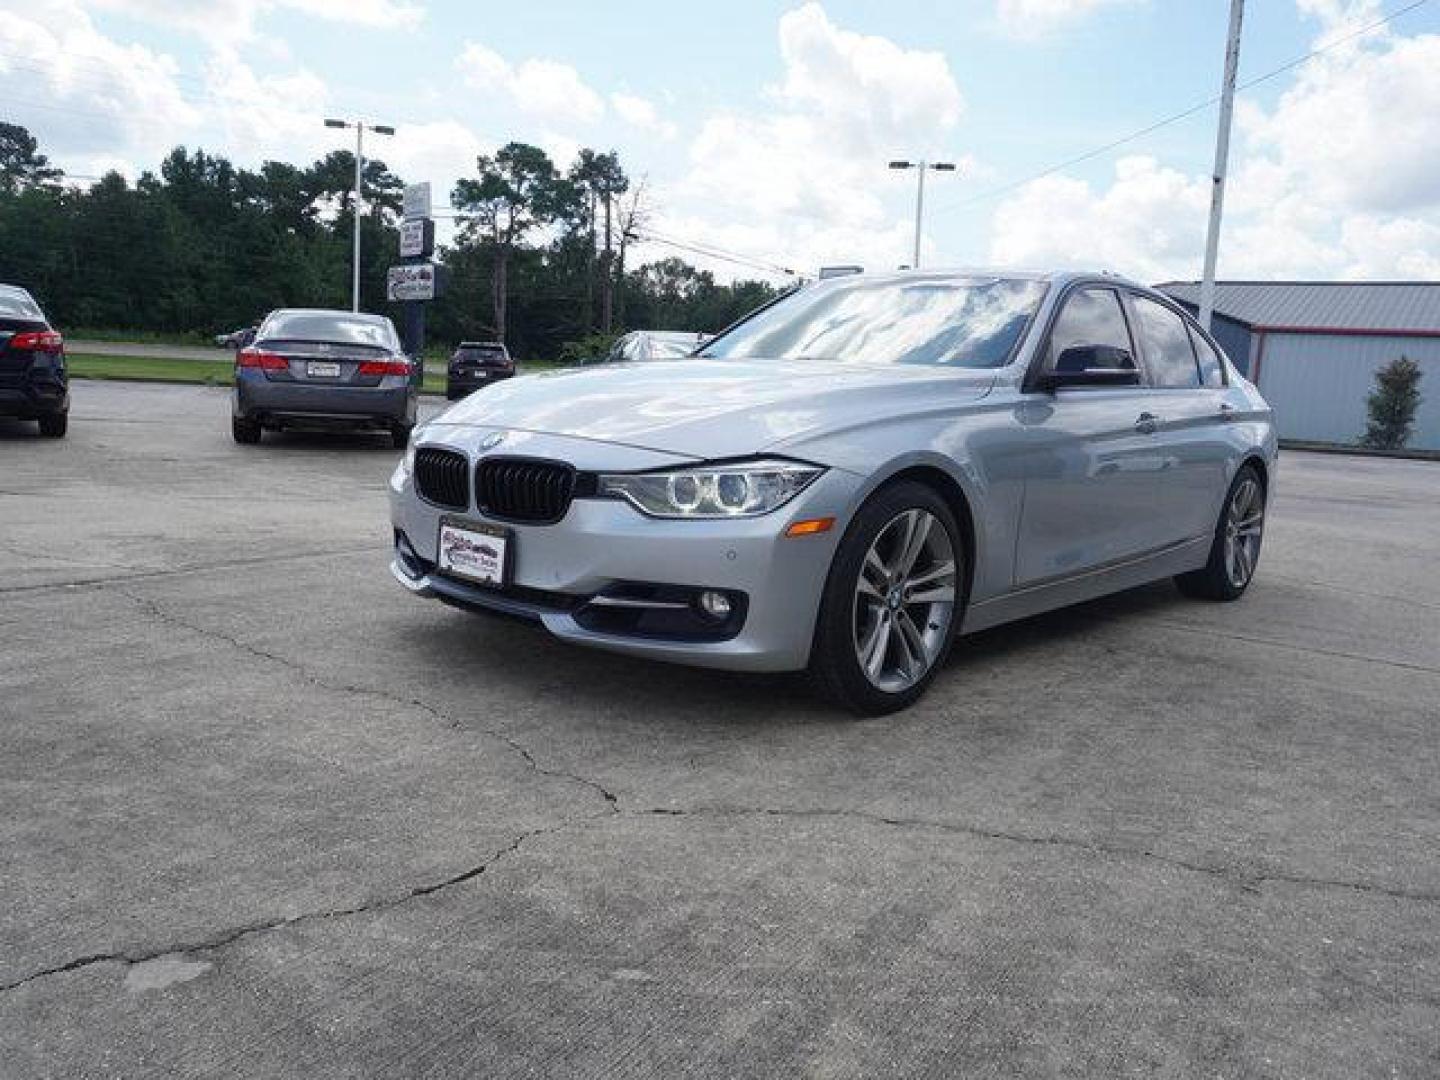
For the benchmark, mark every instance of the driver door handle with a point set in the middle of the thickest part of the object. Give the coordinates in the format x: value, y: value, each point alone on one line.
x: 1147, y: 423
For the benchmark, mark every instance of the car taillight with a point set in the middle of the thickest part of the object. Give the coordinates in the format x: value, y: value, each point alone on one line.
x: 385, y: 367
x: 47, y: 341
x: 254, y: 358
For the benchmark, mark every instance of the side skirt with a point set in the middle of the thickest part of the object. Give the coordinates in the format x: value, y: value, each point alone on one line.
x: 1034, y: 599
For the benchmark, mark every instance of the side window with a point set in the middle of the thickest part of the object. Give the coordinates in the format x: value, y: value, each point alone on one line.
x: 1212, y: 369
x: 1166, y: 342
x: 1092, y: 319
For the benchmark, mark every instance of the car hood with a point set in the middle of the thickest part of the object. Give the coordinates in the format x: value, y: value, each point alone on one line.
x: 713, y: 408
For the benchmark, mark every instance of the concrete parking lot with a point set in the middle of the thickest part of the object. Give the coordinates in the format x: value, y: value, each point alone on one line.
x: 263, y: 814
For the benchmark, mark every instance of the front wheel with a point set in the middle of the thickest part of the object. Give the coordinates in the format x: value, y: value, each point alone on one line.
x: 892, y: 601
x: 1235, y: 549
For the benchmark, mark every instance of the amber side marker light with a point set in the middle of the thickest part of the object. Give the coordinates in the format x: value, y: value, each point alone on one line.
x: 810, y: 527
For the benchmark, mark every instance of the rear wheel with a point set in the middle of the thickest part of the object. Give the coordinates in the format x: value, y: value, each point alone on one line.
x: 891, y: 603
x: 54, y: 425
x: 1235, y: 549
x: 245, y: 432
x: 400, y: 435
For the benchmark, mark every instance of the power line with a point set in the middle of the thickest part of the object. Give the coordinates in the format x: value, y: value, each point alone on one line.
x: 1175, y: 118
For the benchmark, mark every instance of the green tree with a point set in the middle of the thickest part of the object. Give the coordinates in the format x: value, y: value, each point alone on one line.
x: 22, y: 166
x: 517, y: 191
x: 1392, y: 405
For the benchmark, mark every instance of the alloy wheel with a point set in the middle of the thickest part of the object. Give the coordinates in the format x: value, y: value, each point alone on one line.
x: 1244, y: 523
x: 905, y: 599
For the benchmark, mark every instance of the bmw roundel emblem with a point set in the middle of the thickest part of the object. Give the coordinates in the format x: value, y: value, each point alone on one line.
x: 492, y: 440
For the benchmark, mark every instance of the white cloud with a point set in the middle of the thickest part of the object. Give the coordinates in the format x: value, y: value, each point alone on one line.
x: 95, y: 101
x: 804, y: 181
x: 641, y: 113
x: 545, y: 89
x: 234, y: 20
x: 1034, y: 18
x: 1336, y: 179
x: 1145, y: 224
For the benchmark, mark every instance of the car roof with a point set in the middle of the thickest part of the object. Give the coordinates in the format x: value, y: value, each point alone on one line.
x: 671, y: 335
x: 1054, y: 277
x: 16, y: 290
x: 364, y: 316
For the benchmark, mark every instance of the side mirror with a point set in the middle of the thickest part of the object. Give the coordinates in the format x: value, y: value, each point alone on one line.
x: 1091, y: 365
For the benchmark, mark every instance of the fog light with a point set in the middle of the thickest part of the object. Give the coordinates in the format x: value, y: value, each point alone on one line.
x: 715, y: 605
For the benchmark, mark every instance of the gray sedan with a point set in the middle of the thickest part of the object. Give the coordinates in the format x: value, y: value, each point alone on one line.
x: 851, y: 477
x: 312, y: 368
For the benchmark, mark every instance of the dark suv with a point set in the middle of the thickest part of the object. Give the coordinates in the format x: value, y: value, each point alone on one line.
x: 476, y: 364
x: 33, y: 385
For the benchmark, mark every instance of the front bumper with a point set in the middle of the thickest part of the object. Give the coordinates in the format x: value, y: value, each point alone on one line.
x: 602, y: 544
x: 392, y: 401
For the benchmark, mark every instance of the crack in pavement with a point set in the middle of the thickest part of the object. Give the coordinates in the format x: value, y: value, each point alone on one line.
x: 159, y: 614
x: 1246, y: 881
x: 150, y: 575
x: 234, y: 934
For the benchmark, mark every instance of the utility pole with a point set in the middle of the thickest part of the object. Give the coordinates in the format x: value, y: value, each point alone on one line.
x: 379, y: 129
x: 920, y: 167
x: 1222, y: 157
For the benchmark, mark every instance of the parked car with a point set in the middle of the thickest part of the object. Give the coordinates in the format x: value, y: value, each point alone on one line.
x: 310, y: 368
x: 477, y: 364
x: 33, y: 381
x: 654, y: 345
x: 850, y: 477
x: 237, y: 339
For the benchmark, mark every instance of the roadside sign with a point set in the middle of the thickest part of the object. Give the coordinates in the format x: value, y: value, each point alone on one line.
x: 417, y: 238
x: 415, y: 203
x: 418, y: 281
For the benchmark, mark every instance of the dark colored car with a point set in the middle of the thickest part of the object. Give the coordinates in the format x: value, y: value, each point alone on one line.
x: 33, y: 384
x: 311, y: 368
x: 477, y: 364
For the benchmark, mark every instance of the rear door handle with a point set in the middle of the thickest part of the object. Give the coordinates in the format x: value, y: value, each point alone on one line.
x: 1227, y: 411
x: 1147, y: 423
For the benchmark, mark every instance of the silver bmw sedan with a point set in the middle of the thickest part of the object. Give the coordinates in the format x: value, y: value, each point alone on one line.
x: 850, y: 477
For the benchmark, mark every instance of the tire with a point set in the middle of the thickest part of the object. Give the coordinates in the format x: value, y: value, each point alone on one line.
x: 400, y: 435
x: 1231, y: 566
x: 855, y: 615
x: 245, y: 432
x: 54, y: 425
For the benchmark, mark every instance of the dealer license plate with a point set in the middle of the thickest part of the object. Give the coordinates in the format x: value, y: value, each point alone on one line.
x: 475, y: 552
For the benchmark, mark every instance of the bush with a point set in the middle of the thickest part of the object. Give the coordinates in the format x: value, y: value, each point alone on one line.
x: 1392, y: 405
x: 586, y: 350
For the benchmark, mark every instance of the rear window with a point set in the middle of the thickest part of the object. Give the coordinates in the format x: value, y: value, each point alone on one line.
x: 338, y: 328
x: 14, y: 305
x: 482, y: 353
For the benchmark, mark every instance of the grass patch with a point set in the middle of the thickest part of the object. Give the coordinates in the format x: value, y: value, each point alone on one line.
x: 157, y: 369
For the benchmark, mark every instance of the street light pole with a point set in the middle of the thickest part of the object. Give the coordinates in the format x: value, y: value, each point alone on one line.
x: 1222, y: 157
x: 379, y: 129
x: 921, y: 167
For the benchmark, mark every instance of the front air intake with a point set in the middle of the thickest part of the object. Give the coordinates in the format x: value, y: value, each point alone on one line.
x: 524, y: 490
x: 442, y: 477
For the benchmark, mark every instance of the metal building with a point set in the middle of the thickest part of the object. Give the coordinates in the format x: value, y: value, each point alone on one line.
x: 1313, y: 348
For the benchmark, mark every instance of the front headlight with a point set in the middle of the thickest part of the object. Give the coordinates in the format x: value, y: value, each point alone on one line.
x: 738, y: 489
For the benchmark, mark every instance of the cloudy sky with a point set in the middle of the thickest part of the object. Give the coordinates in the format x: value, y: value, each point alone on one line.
x: 763, y: 126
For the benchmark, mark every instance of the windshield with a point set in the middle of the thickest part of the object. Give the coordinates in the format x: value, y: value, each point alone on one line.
x: 323, y: 326
x: 941, y: 320
x: 671, y: 348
